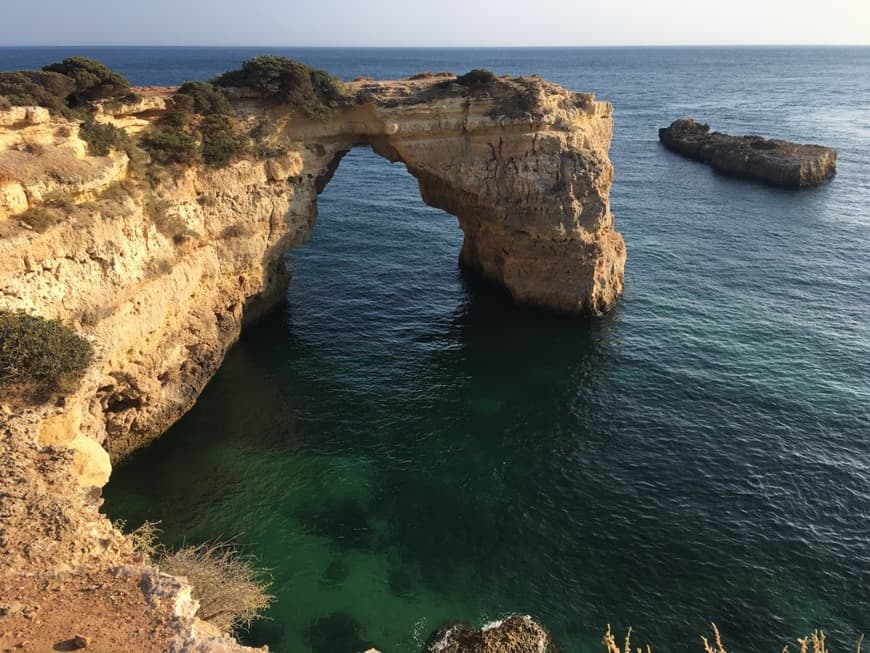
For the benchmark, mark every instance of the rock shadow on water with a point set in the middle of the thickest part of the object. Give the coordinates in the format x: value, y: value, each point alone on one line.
x: 264, y: 632
x: 335, y: 573
x: 346, y: 523
x: 401, y: 582
x: 336, y: 633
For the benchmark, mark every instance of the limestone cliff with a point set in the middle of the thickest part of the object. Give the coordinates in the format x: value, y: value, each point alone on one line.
x: 161, y: 277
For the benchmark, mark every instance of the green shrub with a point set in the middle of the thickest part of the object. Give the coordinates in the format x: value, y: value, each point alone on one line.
x: 478, y: 78
x: 220, y: 142
x: 68, y: 87
x: 102, y: 138
x: 186, y: 139
x: 41, y: 353
x: 207, y: 98
x: 286, y: 81
x: 36, y: 88
x: 231, y: 590
x: 180, y: 111
x: 138, y: 159
x: 169, y: 145
x: 92, y: 80
x: 4, y: 103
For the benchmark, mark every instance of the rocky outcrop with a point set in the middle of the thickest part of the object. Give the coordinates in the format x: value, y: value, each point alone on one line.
x: 517, y: 634
x: 162, y: 275
x: 781, y: 163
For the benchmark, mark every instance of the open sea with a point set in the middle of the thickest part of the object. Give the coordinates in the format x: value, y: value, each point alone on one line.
x: 401, y: 446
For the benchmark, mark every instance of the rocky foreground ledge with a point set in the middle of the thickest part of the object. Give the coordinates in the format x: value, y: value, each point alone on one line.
x: 777, y: 162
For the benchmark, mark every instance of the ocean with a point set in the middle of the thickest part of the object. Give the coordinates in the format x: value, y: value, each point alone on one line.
x: 402, y: 446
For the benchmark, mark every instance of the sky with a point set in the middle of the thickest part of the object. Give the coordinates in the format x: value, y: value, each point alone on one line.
x: 441, y: 23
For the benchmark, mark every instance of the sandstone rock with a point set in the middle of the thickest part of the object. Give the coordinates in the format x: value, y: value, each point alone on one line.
x: 517, y: 634
x: 91, y: 465
x: 781, y: 163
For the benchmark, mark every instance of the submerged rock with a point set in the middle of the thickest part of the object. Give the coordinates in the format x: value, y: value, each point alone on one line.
x: 336, y: 632
x: 781, y: 163
x: 517, y: 634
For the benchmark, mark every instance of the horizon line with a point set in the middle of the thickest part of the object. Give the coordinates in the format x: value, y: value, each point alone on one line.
x: 448, y: 47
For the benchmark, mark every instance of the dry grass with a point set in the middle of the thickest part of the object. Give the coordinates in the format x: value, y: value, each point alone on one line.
x: 229, y: 586
x: 231, y: 589
x: 145, y: 538
x: 717, y: 639
x: 816, y: 640
x: 610, y: 643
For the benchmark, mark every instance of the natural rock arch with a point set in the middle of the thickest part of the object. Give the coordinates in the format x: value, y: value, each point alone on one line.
x: 530, y: 190
x: 522, y: 164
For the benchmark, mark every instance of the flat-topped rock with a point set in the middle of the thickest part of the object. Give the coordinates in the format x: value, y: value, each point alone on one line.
x: 773, y: 161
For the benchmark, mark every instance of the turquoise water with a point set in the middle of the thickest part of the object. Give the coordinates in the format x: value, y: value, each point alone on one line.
x: 402, y: 446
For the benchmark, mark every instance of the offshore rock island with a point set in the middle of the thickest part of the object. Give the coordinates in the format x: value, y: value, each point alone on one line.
x: 777, y: 162
x: 155, y: 227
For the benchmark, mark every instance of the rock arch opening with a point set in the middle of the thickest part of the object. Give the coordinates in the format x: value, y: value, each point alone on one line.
x: 530, y: 190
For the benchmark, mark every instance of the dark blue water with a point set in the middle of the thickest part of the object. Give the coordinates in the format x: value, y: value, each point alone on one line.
x: 403, y: 446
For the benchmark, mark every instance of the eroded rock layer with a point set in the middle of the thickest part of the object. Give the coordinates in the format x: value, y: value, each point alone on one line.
x: 161, y: 277
x: 777, y: 162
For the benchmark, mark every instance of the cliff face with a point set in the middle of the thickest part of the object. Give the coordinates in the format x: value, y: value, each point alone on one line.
x: 161, y: 278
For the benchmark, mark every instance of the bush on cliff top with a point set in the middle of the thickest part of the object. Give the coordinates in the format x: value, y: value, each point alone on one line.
x: 168, y: 145
x: 477, y: 78
x: 220, y: 140
x: 206, y: 98
x: 197, y: 126
x: 42, y: 354
x: 93, y: 80
x: 64, y: 87
x: 286, y: 81
x: 37, y: 88
x: 102, y: 138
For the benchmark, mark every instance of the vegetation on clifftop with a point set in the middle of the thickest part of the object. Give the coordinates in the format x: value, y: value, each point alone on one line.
x: 198, y: 126
x: 69, y: 87
x: 285, y: 81
x: 40, y: 356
